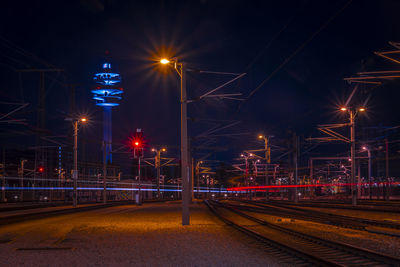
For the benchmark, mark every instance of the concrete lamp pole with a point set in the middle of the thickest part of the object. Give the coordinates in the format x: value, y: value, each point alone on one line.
x: 180, y: 68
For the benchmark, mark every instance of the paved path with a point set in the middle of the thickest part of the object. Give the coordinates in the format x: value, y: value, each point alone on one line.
x: 129, y: 235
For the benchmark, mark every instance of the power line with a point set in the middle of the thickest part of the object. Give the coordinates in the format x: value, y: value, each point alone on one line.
x: 301, y: 47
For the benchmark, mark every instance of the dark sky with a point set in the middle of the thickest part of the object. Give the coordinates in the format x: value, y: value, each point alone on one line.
x: 231, y: 36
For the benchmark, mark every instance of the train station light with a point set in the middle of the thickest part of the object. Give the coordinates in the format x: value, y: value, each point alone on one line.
x: 164, y: 61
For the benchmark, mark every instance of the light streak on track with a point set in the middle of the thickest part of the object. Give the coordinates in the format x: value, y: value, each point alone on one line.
x: 109, y: 189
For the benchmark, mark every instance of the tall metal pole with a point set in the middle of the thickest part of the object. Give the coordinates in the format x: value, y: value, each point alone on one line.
x: 387, y: 195
x: 198, y: 178
x: 353, y: 161
x: 184, y: 150
x: 192, y: 179
x: 247, y: 177
x: 3, y: 186
x: 21, y: 198
x: 140, y: 183
x: 75, y: 170
x: 295, y: 155
x: 104, y: 172
x: 266, y: 167
x: 157, y: 161
x: 369, y: 174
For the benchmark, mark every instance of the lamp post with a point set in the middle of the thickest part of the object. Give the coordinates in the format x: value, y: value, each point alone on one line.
x: 180, y: 68
x: 157, y: 164
x: 268, y: 160
x: 352, y: 114
x: 75, y: 170
x: 369, y: 171
x: 198, y: 176
x: 246, y: 159
x: 21, y: 197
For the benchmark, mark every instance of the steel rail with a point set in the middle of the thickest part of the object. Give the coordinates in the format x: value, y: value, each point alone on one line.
x: 335, y: 252
x: 327, y: 218
x: 287, y: 253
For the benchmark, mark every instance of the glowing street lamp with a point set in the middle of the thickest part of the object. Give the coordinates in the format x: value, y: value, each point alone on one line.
x: 353, y: 113
x: 268, y: 160
x: 181, y: 70
x: 164, y: 61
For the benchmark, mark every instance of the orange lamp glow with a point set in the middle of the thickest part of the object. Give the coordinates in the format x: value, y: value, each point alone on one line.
x: 164, y: 61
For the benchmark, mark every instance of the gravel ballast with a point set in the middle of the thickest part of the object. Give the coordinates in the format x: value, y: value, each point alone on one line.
x: 148, y: 235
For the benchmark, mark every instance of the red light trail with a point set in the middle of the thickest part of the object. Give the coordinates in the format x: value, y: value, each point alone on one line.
x: 300, y: 186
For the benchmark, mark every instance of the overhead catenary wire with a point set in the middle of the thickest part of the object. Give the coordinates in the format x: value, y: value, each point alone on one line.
x: 300, y: 48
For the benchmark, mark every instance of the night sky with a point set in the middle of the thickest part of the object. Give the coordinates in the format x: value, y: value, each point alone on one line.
x: 333, y: 40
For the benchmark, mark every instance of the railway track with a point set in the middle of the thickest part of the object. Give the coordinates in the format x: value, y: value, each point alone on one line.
x: 297, y: 248
x: 67, y: 210
x: 316, y: 216
x: 363, y: 206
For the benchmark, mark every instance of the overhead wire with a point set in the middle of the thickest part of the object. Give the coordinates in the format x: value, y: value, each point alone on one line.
x: 300, y: 48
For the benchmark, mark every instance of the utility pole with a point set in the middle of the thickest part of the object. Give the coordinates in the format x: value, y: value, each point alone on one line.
x: 158, y: 161
x: 295, y: 157
x: 267, y: 161
x: 21, y: 197
x: 157, y: 165
x: 3, y: 174
x: 75, y: 123
x: 198, y: 177
x: 369, y: 174
x: 75, y: 170
x: 140, y: 183
x: 387, y: 195
x: 352, y: 157
x: 184, y: 149
x: 104, y: 172
x: 192, y: 179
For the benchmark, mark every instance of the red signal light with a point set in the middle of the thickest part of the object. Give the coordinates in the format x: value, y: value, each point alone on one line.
x: 137, y: 143
x: 40, y: 169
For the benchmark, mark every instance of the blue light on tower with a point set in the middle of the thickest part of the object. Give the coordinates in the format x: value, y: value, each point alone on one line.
x: 107, y: 92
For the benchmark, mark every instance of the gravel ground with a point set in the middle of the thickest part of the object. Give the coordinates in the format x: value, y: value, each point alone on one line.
x: 375, y: 242
x: 149, y: 235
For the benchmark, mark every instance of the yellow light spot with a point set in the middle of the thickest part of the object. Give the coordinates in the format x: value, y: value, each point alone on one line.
x: 164, y: 61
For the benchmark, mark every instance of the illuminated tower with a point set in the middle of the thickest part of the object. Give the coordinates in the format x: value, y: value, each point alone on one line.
x: 107, y: 92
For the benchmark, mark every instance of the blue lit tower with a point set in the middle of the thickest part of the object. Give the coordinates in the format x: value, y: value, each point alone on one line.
x: 107, y: 92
